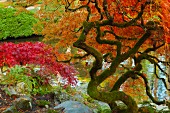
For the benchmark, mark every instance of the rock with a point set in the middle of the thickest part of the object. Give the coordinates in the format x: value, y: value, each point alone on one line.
x: 18, y: 90
x: 62, y: 96
x: 162, y: 107
x: 21, y: 88
x: 30, y: 8
x: 10, y: 90
x: 78, y: 97
x: 73, y: 107
x: 33, y: 8
x: 24, y: 103
x: 82, y: 86
x: 11, y: 109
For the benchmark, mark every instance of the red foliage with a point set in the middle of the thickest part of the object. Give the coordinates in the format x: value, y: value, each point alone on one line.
x: 35, y: 53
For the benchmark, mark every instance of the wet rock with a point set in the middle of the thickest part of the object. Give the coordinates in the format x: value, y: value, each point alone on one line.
x: 73, y: 107
x: 62, y: 96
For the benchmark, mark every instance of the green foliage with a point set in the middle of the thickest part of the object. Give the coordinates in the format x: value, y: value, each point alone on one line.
x: 1, y: 5
x: 104, y: 109
x: 33, y: 83
x: 87, y: 98
x: 42, y: 103
x: 52, y: 111
x: 20, y: 4
x: 4, y: 4
x: 14, y: 23
x: 164, y: 111
x: 147, y: 108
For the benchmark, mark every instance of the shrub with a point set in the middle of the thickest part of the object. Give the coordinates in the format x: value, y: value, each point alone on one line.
x: 15, y: 23
x: 38, y: 54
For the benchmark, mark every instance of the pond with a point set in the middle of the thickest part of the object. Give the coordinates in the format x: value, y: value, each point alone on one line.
x: 32, y: 38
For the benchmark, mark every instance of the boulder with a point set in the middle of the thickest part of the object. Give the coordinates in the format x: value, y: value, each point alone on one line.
x: 73, y: 107
x: 11, y: 109
x: 24, y: 103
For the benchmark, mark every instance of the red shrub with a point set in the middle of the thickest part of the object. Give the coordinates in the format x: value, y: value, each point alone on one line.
x: 36, y: 53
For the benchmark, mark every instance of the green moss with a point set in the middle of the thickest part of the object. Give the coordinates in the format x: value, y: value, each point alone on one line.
x: 42, y: 103
x: 52, y: 111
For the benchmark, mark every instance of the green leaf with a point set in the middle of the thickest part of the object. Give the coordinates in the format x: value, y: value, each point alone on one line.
x: 15, y: 24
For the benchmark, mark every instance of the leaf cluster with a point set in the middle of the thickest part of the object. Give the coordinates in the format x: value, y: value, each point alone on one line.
x: 14, y: 23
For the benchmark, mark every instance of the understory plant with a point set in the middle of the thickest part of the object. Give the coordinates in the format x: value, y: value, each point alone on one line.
x: 25, y: 80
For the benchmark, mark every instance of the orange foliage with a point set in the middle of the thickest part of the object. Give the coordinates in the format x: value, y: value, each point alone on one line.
x: 31, y: 1
x: 165, y: 16
x: 135, y: 89
x: 70, y: 22
x: 68, y: 27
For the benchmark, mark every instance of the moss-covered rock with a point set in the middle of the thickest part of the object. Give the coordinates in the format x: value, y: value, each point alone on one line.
x: 24, y: 103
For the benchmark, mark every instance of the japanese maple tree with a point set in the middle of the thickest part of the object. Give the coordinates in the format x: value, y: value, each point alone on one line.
x: 113, y: 31
x: 39, y: 54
